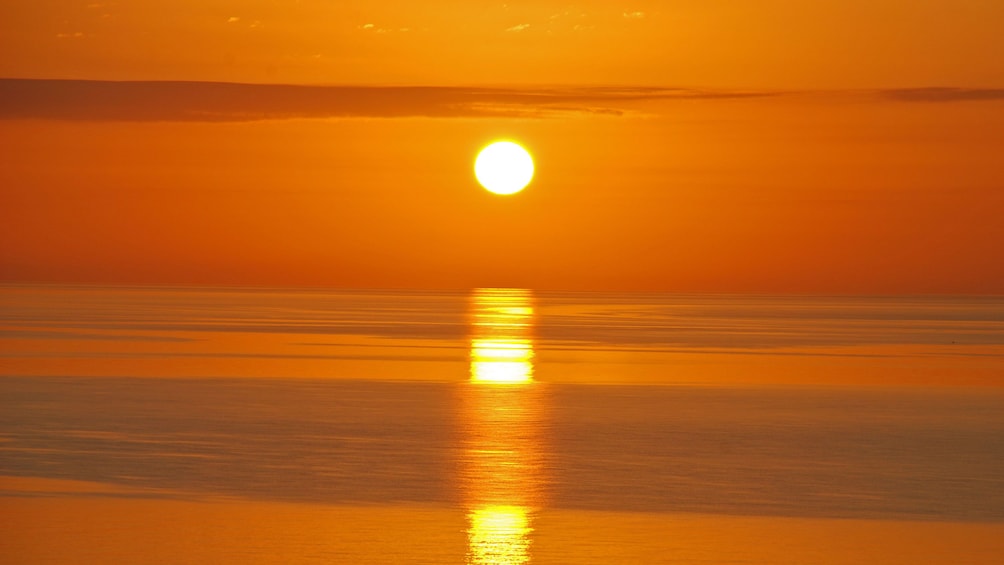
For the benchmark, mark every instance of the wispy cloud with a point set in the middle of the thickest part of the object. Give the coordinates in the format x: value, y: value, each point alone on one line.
x: 944, y: 94
x: 381, y: 30
x: 216, y: 101
x: 634, y: 15
x: 518, y: 28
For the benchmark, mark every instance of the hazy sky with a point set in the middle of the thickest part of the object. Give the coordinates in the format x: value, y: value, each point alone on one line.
x: 728, y: 43
x: 744, y: 146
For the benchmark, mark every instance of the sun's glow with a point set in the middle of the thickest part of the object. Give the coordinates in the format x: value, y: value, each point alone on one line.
x: 504, y: 167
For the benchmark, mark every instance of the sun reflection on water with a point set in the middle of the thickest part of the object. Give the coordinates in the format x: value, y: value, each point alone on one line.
x: 501, y: 346
x: 499, y: 535
x: 502, y: 417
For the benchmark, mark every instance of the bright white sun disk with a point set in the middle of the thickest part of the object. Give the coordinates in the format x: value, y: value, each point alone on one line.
x: 504, y: 167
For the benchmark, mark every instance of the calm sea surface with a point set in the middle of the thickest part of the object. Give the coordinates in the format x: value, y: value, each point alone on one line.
x: 190, y: 425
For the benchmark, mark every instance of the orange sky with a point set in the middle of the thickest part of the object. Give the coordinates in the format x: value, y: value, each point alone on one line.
x: 750, y: 146
x: 735, y: 43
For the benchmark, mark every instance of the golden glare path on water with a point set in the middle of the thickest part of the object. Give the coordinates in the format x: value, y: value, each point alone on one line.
x: 501, y: 330
x: 502, y: 414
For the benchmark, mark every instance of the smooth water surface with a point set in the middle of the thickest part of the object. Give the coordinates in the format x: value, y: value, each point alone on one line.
x: 255, y: 426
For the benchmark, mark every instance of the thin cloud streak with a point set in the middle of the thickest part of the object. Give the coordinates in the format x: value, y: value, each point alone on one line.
x: 217, y: 101
x: 147, y: 101
x: 944, y: 94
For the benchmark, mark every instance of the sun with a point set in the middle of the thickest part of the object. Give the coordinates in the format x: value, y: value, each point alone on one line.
x: 504, y: 167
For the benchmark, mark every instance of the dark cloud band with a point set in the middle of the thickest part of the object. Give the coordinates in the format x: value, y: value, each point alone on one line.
x: 944, y: 94
x: 217, y: 101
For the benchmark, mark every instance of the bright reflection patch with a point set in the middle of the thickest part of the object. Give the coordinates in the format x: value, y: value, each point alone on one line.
x: 499, y: 535
x: 501, y: 348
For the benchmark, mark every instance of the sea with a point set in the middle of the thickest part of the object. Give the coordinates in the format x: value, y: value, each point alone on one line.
x: 169, y: 425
